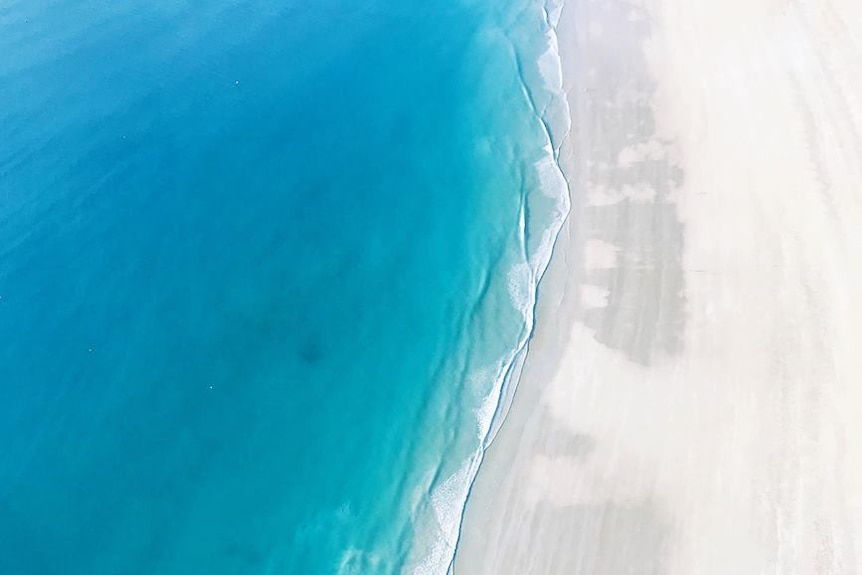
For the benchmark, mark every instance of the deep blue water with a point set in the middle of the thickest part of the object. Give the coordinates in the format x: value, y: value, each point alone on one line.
x: 256, y: 277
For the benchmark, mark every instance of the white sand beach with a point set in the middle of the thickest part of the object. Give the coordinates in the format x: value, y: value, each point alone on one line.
x: 692, y: 400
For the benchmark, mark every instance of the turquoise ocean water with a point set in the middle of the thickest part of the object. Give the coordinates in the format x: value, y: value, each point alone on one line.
x: 267, y: 271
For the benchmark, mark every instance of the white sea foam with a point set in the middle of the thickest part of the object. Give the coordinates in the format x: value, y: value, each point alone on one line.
x: 553, y: 10
x: 447, y: 501
x: 485, y: 413
x: 549, y: 64
x: 520, y: 284
x: 551, y: 179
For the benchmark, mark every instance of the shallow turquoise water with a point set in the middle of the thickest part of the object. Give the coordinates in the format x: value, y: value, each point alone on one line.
x: 259, y: 273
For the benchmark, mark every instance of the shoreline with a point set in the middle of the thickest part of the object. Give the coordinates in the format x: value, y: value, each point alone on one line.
x: 549, y: 294
x: 688, y: 393
x: 552, y: 176
x: 553, y: 122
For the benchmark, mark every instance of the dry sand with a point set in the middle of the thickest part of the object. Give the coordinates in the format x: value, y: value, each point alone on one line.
x: 692, y: 401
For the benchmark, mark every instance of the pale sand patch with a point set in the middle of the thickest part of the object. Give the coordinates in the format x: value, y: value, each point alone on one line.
x: 652, y: 149
x: 708, y: 418
x: 600, y: 255
x: 639, y: 194
x: 594, y: 297
x: 596, y: 30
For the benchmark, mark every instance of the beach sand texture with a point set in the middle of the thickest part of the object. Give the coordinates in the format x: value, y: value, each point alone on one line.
x: 692, y: 401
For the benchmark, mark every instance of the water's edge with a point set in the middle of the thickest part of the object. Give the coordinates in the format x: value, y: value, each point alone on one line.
x: 506, y: 385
